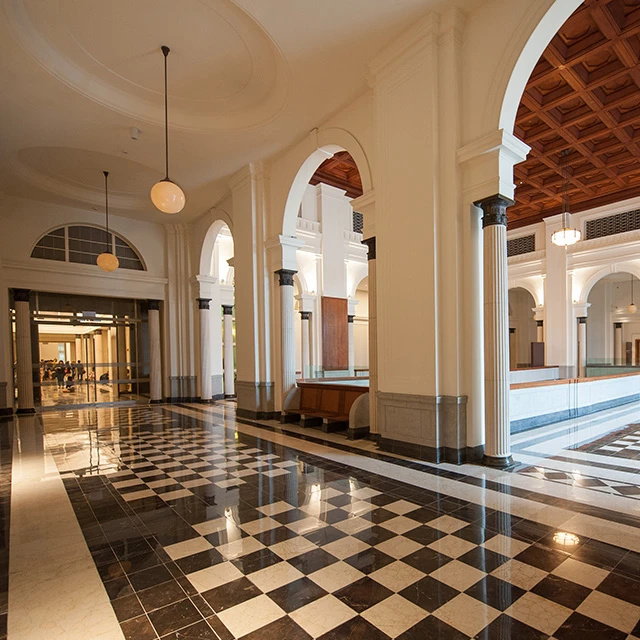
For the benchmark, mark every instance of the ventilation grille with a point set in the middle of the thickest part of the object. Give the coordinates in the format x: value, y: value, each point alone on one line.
x: 358, y: 222
x: 518, y: 246
x: 611, y: 225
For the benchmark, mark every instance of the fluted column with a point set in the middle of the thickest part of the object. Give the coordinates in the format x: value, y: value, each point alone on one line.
x: 617, y: 342
x: 352, y: 346
x: 23, y: 351
x: 539, y: 330
x: 205, y: 349
x: 582, y: 347
x: 305, y: 317
x: 497, y: 446
x: 155, y: 362
x: 288, y: 333
x: 229, y: 365
x: 373, y: 338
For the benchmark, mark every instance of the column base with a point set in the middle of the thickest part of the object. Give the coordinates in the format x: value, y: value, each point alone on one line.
x: 231, y: 396
x: 502, y: 462
x: 25, y: 412
x: 156, y: 401
x: 206, y: 400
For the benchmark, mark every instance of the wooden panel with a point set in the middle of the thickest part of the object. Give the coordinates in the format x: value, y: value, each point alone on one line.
x: 335, y: 334
x: 330, y: 400
x: 584, y: 96
x: 341, y: 172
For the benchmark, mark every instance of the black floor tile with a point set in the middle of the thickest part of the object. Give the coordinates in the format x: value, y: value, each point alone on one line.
x: 370, y: 560
x: 496, y: 593
x: 296, y: 594
x: 429, y: 593
x: 139, y: 628
x: 561, y: 591
x: 579, y: 627
x: 506, y: 628
x: 161, y: 595
x: 312, y: 561
x: 231, y: 594
x: 355, y: 629
x: 362, y: 594
x: 282, y: 629
x: 541, y: 557
x: 174, y: 616
x: 622, y: 588
x: 483, y: 559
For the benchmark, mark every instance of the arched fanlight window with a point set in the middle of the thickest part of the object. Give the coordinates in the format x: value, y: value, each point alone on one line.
x: 82, y: 245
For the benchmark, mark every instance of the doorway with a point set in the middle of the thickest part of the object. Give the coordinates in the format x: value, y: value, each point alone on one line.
x: 88, y: 350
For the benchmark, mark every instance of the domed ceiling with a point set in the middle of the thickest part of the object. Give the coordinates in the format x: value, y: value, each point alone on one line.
x: 246, y: 79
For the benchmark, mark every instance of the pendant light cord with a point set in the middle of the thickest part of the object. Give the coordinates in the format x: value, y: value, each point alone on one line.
x: 565, y: 188
x: 165, y: 52
x: 106, y: 208
x: 632, y: 288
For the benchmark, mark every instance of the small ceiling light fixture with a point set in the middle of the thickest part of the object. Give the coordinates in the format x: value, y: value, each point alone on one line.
x: 565, y: 236
x: 166, y: 195
x: 107, y: 261
x: 632, y: 307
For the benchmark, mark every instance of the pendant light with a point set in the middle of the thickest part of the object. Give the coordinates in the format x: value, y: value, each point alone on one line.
x: 565, y: 236
x: 107, y: 261
x: 632, y: 307
x: 166, y: 195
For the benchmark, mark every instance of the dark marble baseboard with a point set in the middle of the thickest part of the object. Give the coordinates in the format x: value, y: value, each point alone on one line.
x: 432, y: 454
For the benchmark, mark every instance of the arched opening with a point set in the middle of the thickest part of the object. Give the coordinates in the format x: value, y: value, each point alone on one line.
x: 330, y: 265
x: 613, y: 332
x: 522, y: 328
x: 217, y: 284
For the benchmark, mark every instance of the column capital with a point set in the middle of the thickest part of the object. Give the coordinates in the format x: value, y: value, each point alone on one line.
x: 512, y: 329
x: 539, y: 323
x: 350, y: 319
x: 371, y: 246
x: 305, y: 315
x: 494, y: 209
x: 285, y: 277
x: 21, y: 295
x: 203, y: 303
x: 154, y: 305
x: 617, y: 325
x: 582, y: 320
x: 227, y: 309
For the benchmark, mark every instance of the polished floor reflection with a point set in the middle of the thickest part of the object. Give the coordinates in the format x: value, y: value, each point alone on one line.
x: 195, y: 526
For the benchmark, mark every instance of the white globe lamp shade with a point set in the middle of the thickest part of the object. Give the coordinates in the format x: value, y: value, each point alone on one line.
x: 632, y: 308
x: 167, y: 196
x: 107, y: 261
x: 565, y: 237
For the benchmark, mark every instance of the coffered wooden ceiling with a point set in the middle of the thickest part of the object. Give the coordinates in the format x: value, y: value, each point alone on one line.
x: 584, y: 96
x: 340, y: 171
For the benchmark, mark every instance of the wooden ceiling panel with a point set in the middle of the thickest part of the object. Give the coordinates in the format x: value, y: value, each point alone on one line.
x: 341, y: 172
x: 584, y: 96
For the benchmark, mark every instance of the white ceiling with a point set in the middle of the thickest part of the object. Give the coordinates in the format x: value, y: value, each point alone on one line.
x: 246, y: 79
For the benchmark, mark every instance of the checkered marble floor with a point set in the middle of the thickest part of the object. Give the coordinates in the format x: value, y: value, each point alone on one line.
x: 622, y: 444
x: 201, y: 531
x: 576, y: 478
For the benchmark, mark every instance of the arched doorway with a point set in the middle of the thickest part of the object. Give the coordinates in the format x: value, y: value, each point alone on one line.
x: 613, y: 332
x: 217, y: 291
x: 522, y: 328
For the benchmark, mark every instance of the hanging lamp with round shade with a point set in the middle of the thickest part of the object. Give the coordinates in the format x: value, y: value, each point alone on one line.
x: 106, y: 260
x: 166, y: 195
x: 632, y: 307
x: 566, y: 236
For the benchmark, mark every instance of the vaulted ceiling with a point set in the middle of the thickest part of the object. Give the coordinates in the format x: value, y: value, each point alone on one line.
x: 583, y: 96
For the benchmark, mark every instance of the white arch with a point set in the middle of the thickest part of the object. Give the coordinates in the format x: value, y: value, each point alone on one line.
x: 544, y: 31
x: 521, y: 284
x: 329, y: 142
x: 356, y: 284
x: 209, y: 241
x: 602, y: 273
x: 302, y: 282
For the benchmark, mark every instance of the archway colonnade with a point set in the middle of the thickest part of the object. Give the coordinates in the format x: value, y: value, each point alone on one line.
x: 433, y: 140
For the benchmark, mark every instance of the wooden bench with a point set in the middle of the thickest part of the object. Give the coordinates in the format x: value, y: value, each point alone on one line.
x: 320, y: 404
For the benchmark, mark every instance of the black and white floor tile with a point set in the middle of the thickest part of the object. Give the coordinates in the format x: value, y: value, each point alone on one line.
x: 199, y: 530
